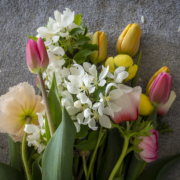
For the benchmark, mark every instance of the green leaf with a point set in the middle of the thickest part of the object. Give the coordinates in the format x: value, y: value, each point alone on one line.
x: 134, y: 80
x: 15, y: 154
x: 36, y: 171
x: 86, y: 30
x: 54, y: 103
x: 160, y: 170
x: 9, y: 173
x: 111, y: 155
x: 57, y: 159
x: 48, y: 134
x: 135, y: 168
x: 82, y: 54
x: 82, y: 40
x: 32, y: 37
x: 75, y: 31
x: 119, y: 178
x: 92, y: 47
x: 98, y: 91
x: 90, y: 143
x: 83, y: 132
x: 77, y: 19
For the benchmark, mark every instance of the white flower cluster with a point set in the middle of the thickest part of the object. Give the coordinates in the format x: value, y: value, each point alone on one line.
x: 77, y: 85
x: 36, y: 133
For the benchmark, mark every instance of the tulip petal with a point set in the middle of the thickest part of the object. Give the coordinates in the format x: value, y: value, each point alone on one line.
x: 162, y: 110
x: 130, y: 106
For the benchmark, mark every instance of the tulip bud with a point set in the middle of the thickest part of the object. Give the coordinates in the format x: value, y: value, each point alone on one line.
x: 122, y: 60
x: 162, y: 110
x: 161, y: 89
x: 151, y: 81
x: 100, y: 39
x: 36, y: 56
x: 146, y: 107
x: 149, y: 146
x: 129, y: 40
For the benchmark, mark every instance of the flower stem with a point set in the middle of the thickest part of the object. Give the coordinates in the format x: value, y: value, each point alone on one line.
x: 94, y: 153
x: 46, y: 103
x: 24, y: 158
x: 120, y: 160
x: 84, y: 165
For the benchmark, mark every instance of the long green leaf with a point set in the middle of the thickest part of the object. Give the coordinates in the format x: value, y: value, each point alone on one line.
x: 9, y: 173
x: 15, y: 154
x: 57, y: 159
x: 36, y: 171
x: 48, y: 134
x: 135, y: 168
x: 160, y: 170
x: 55, y: 103
x: 134, y: 80
x: 112, y: 153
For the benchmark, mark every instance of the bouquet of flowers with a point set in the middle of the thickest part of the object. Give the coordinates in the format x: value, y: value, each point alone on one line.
x: 86, y: 122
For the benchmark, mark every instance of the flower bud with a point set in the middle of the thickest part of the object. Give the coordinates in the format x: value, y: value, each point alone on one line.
x: 162, y: 110
x: 122, y: 60
x: 161, y: 89
x: 149, y: 146
x: 151, y: 81
x: 36, y: 56
x: 146, y: 107
x: 100, y: 39
x: 77, y: 104
x: 129, y: 40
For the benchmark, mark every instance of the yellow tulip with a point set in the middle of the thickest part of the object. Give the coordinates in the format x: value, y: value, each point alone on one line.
x: 110, y: 62
x: 150, y: 83
x: 129, y: 40
x: 100, y: 39
x: 146, y: 107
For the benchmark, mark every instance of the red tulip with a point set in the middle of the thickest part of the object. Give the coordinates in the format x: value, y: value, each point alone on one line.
x: 149, y: 146
x: 130, y: 103
x: 161, y: 89
x: 36, y: 56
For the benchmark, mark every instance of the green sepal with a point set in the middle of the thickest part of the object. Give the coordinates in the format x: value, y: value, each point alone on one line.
x: 77, y: 19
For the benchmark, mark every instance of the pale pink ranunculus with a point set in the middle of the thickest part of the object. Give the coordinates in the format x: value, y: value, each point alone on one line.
x: 15, y: 106
x: 149, y: 146
x: 130, y: 103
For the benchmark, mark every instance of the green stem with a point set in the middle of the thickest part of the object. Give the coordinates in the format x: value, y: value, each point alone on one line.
x: 84, y: 165
x: 120, y: 160
x: 24, y: 158
x: 128, y: 126
x: 46, y: 103
x: 94, y: 154
x: 31, y: 155
x: 76, y: 164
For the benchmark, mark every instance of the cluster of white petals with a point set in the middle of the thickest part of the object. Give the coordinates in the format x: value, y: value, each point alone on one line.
x: 36, y: 133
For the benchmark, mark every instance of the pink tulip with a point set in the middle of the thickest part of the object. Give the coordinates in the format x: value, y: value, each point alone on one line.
x: 162, y: 110
x: 161, y: 89
x: 36, y: 56
x: 149, y: 146
x: 130, y: 103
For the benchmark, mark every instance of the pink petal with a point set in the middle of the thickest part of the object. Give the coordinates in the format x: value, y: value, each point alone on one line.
x: 162, y: 110
x: 130, y: 106
x: 43, y: 54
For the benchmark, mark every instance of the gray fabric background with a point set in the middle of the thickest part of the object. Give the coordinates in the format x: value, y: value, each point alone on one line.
x: 160, y: 44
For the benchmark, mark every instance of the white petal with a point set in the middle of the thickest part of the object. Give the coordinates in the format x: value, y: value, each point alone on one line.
x: 118, y: 70
x: 93, y: 70
x: 92, y: 124
x: 57, y: 15
x: 124, y: 88
x: 64, y: 34
x: 110, y: 75
x: 80, y: 118
x: 91, y: 89
x: 67, y: 95
x: 78, y: 127
x: 31, y: 128
x: 77, y: 70
x: 105, y: 121
x: 58, y: 51
x: 72, y: 110
x: 67, y: 17
x: 102, y: 83
x: 87, y: 66
x: 83, y: 98
x: 55, y: 39
x: 121, y: 76
x: 87, y: 113
x: 108, y: 111
x: 115, y: 94
x: 108, y: 87
x: 104, y: 73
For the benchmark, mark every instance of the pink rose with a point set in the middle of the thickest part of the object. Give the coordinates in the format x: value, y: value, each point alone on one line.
x: 149, y: 146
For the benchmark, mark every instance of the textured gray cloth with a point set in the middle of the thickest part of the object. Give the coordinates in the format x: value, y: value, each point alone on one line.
x: 160, y: 44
